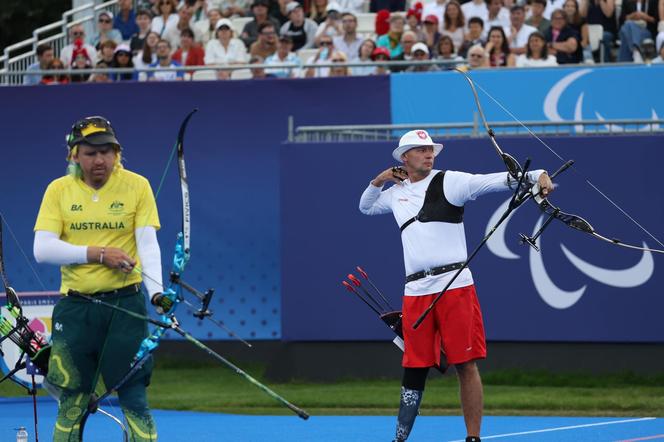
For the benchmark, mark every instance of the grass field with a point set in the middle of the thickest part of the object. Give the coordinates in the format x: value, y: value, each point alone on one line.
x: 217, y: 389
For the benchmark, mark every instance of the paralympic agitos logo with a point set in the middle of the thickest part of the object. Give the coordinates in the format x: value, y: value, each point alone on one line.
x: 547, y: 289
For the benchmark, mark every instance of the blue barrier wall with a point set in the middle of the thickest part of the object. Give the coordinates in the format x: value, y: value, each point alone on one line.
x: 586, y: 290
x: 232, y: 151
x: 563, y: 94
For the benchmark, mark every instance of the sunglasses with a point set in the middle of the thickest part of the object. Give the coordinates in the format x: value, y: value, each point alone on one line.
x: 338, y: 60
x: 78, y: 34
x: 269, y: 33
x: 165, y: 3
x: 325, y: 43
x: 476, y: 55
x: 104, y: 20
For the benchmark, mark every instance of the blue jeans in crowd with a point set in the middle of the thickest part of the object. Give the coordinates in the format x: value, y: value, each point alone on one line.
x: 631, y: 36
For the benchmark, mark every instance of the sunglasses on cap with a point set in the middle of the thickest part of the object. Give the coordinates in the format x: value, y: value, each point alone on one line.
x: 104, y: 20
x: 88, y: 126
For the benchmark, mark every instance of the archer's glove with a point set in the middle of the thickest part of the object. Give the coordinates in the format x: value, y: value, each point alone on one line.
x: 163, y: 302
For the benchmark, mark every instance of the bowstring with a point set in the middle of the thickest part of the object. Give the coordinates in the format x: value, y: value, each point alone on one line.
x: 573, y: 168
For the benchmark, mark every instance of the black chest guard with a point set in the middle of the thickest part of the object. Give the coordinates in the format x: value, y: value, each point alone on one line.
x: 436, y: 207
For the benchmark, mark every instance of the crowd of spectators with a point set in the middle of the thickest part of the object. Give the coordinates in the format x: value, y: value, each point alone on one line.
x: 476, y: 33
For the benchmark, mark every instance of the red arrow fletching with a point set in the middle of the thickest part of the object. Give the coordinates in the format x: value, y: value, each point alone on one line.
x: 354, y: 280
x: 362, y: 272
x: 348, y: 286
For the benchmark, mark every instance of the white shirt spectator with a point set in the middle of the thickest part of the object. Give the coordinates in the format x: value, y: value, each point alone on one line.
x: 215, y: 53
x: 475, y: 9
x: 165, y: 29
x: 552, y: 5
x: 524, y: 62
x: 434, y: 8
x: 502, y: 19
x: 319, y: 72
x: 65, y: 54
x: 354, y: 6
x: 352, y: 50
x: 283, y: 72
x: 520, y: 40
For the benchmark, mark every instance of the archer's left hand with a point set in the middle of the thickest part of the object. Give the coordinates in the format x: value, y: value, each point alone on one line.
x: 545, y: 184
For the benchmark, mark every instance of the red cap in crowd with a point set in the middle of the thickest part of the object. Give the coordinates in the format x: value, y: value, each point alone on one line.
x: 380, y: 51
x: 382, y: 22
x: 431, y: 19
x: 79, y: 49
x: 416, y: 10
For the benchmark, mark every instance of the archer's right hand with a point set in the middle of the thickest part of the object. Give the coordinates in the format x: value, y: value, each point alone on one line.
x: 394, y: 174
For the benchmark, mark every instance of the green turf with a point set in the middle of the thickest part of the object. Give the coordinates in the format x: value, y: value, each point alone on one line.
x: 212, y: 388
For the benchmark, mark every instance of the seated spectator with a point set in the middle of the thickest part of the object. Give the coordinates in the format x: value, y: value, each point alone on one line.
x: 259, y: 9
x: 408, y: 40
x: 55, y: 64
x: 389, y: 5
x: 284, y: 54
x: 143, y: 22
x: 147, y: 55
x: 349, y: 43
x: 225, y: 49
x: 165, y: 22
x: 184, y: 22
x: 105, y: 31
x: 414, y: 20
x: 342, y: 70
x: 381, y: 54
x: 207, y: 26
x: 638, y: 20
x: 44, y: 57
x: 578, y: 23
x: 520, y: 31
x: 189, y: 53
x: 392, y: 40
x: 164, y: 61
x: 602, y: 12
x: 454, y: 23
x: 497, y: 15
x: 497, y: 49
x: 122, y: 60
x: 278, y: 11
x: 552, y: 5
x: 563, y: 41
x: 100, y: 77
x: 537, y: 53
x: 435, y: 8
x: 431, y: 34
x: 332, y: 24
x: 258, y: 73
x: 473, y: 36
x: 81, y: 60
x: 445, y: 50
x: 382, y: 22
x: 301, y: 30
x: 659, y: 42
x: 323, y: 55
x: 475, y: 8
x: 318, y: 11
x: 107, y: 51
x: 234, y: 8
x: 476, y: 57
x: 421, y: 53
x: 537, y: 19
x: 77, y: 38
x: 125, y: 20
x: 364, y: 56
x: 266, y: 44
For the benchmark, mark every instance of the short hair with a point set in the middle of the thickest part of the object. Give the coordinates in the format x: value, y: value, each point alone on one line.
x: 517, y: 8
x: 145, y: 12
x: 489, y: 1
x: 266, y: 24
x: 410, y: 34
x: 349, y: 14
x: 42, y: 48
x: 108, y: 44
x: 187, y: 32
x: 478, y: 20
x: 163, y: 40
x: 539, y: 2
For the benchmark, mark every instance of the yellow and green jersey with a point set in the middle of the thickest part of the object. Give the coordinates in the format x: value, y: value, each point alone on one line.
x: 105, y: 217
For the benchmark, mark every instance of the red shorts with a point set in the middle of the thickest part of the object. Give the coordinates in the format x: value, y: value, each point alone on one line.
x: 455, y: 324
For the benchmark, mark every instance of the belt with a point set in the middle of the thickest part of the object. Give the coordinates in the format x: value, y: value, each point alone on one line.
x: 434, y: 271
x: 122, y: 291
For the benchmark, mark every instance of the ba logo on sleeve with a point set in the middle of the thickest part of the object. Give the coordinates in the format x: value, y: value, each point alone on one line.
x: 76, y: 208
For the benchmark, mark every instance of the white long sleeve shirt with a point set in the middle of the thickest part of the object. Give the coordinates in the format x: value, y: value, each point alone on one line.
x: 433, y: 244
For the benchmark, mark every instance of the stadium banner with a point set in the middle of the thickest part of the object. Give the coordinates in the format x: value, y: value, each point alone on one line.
x: 577, y: 288
x: 232, y: 154
x: 556, y: 95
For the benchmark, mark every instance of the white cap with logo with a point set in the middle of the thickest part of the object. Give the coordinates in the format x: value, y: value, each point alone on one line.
x: 412, y: 139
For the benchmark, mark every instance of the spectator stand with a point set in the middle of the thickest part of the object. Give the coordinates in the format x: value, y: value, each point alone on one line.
x: 19, y: 56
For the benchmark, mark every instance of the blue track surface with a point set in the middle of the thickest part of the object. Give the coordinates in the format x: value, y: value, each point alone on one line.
x: 191, y: 426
